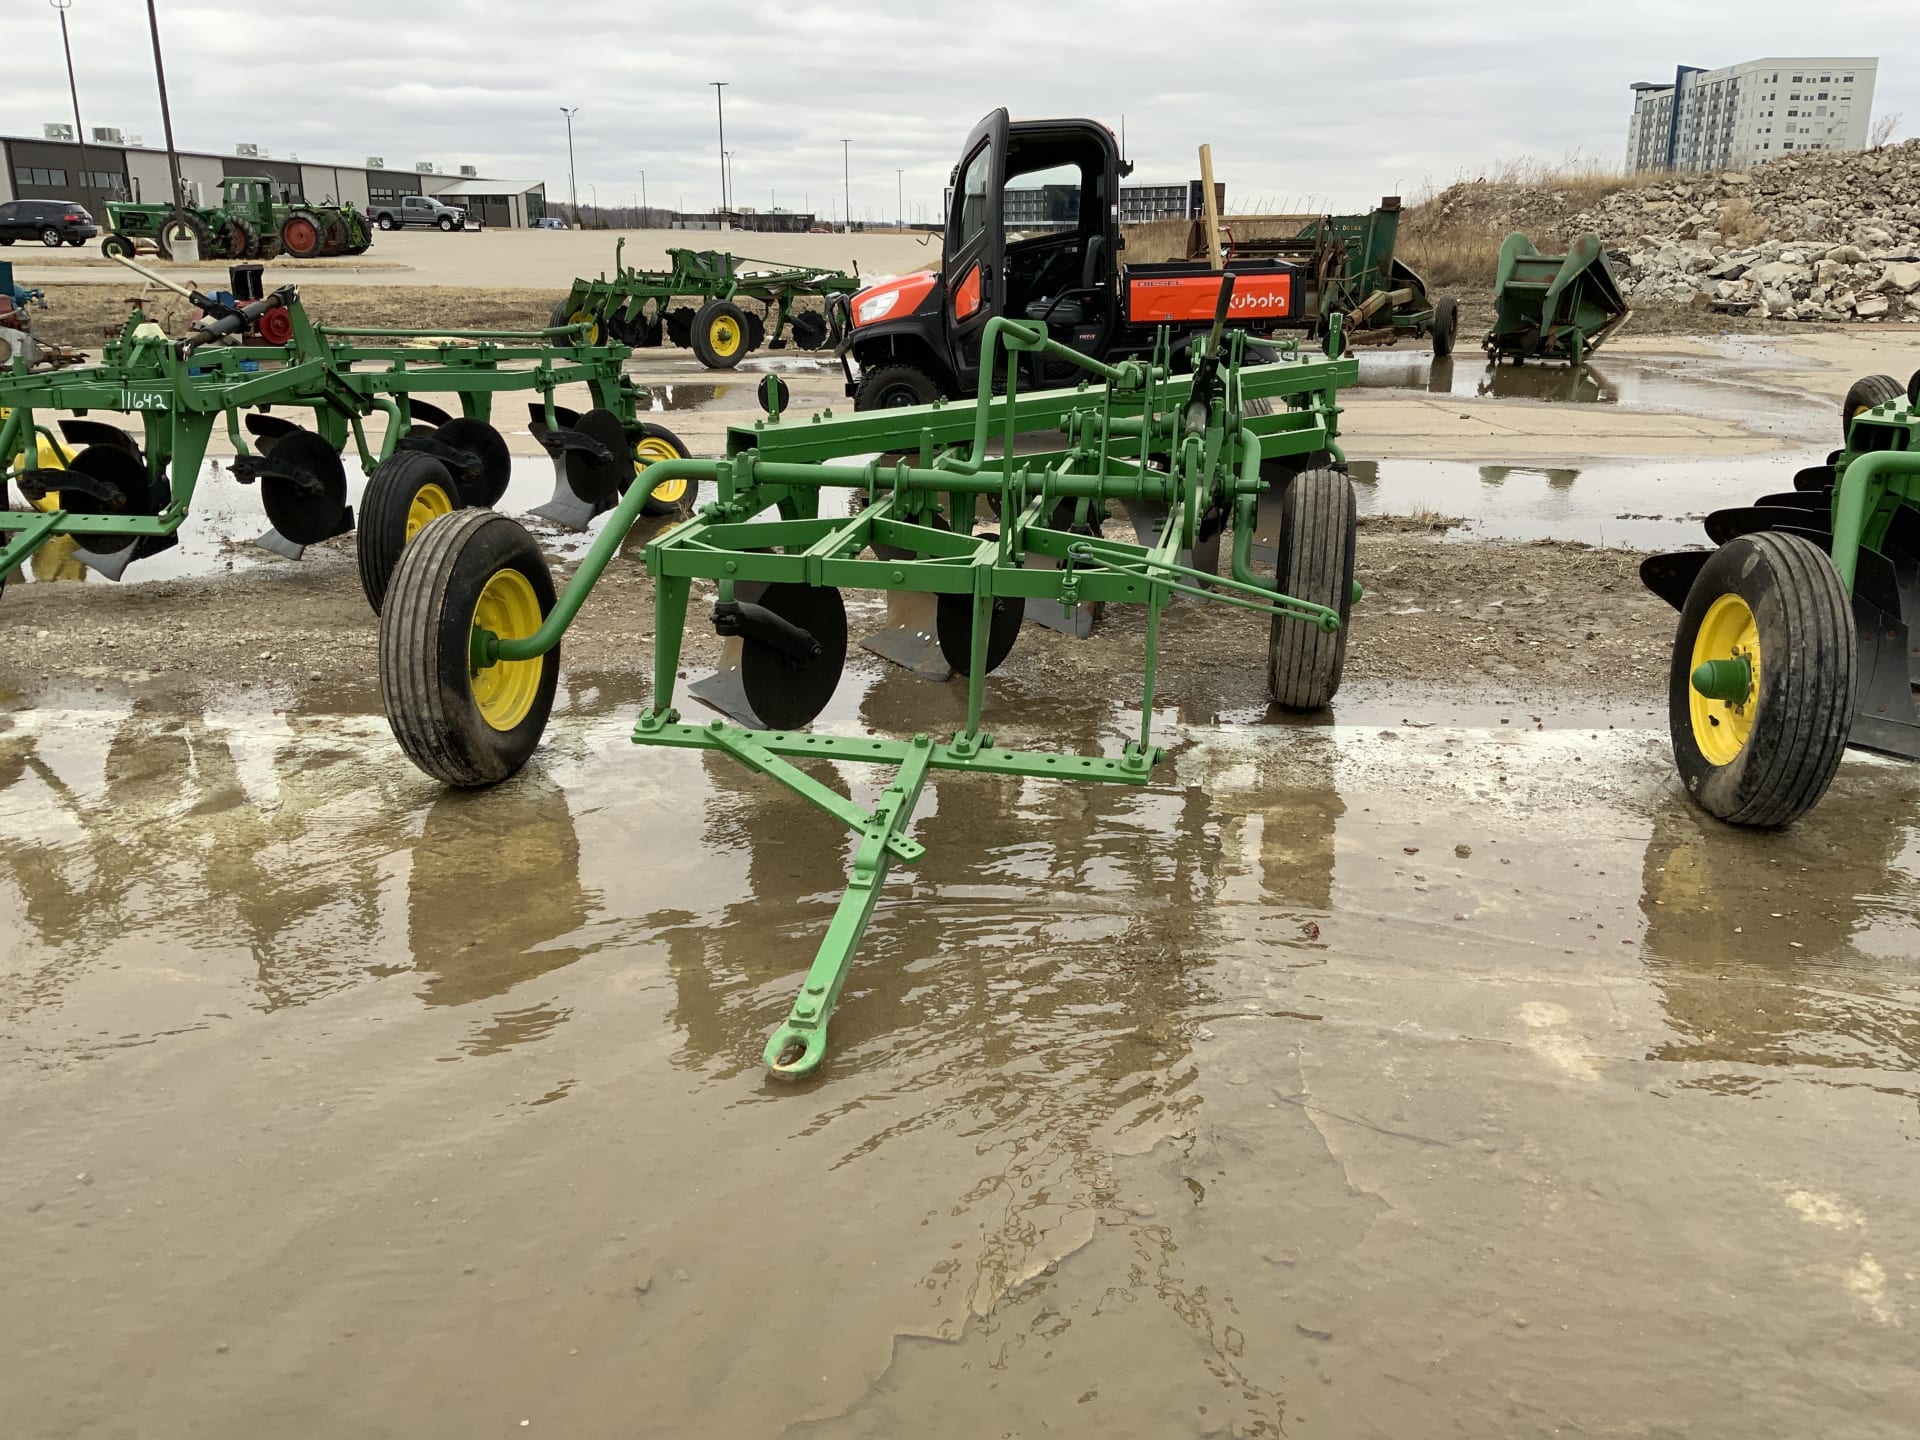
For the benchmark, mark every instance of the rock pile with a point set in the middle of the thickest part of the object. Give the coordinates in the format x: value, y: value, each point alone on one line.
x: 1820, y: 237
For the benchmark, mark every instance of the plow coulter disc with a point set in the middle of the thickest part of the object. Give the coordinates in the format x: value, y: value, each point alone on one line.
x: 305, y: 491
x: 809, y: 330
x: 953, y: 625
x: 787, y: 689
x: 485, y: 481
x: 115, y: 482
x: 594, y: 474
x: 1723, y: 526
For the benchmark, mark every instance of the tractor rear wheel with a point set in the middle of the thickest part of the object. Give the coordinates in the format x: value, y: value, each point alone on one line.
x: 719, y: 335
x: 892, y: 386
x: 240, y: 238
x: 1863, y: 395
x: 1760, y: 693
x: 1446, y: 326
x: 302, y: 236
x: 465, y: 724
x: 1315, y: 563
x: 659, y: 443
x: 408, y: 490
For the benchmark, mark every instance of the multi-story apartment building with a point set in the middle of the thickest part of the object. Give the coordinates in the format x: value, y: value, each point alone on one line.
x: 1743, y: 114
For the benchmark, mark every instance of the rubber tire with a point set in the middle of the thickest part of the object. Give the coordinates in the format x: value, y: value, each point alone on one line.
x: 1865, y: 393
x: 1317, y: 530
x: 559, y: 316
x: 50, y: 237
x: 702, y: 347
x: 203, y: 237
x: 878, y: 387
x: 76, y: 242
x: 425, y: 632
x: 118, y: 245
x: 687, y: 502
x: 1446, y: 326
x: 445, y: 222
x: 6, y: 240
x: 1807, y: 677
x: 382, y: 536
x: 319, y: 246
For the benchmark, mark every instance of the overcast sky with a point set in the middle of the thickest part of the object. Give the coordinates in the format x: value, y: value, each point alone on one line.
x: 1307, y: 107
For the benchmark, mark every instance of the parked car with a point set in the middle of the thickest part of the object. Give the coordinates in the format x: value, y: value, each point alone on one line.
x: 550, y: 222
x: 51, y: 222
x: 418, y: 210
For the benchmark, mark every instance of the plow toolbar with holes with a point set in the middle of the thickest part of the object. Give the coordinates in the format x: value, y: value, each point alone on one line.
x: 117, y: 495
x: 469, y: 638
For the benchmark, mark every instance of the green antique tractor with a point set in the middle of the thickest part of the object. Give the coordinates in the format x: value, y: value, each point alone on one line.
x: 249, y: 223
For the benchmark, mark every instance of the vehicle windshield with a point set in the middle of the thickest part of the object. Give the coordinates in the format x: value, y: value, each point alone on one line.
x: 1042, y: 202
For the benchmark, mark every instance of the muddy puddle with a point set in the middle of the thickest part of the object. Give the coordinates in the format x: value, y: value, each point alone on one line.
x: 1722, y: 386
x: 1345, y: 1078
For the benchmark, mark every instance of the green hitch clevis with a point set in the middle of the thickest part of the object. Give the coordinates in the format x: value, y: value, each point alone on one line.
x: 1727, y: 680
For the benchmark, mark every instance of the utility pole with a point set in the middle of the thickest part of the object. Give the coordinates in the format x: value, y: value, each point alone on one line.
x: 643, y: 199
x: 720, y: 109
x: 166, y: 112
x: 79, y: 130
x: 846, y: 177
x: 573, y: 190
x: 899, y: 204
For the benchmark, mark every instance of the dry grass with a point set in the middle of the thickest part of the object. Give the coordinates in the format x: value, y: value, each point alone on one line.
x: 1738, y: 223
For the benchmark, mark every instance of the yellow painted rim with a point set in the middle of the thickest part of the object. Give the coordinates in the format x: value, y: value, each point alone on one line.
x: 504, y: 691
x: 656, y: 447
x: 47, y: 456
x: 429, y: 503
x: 724, y: 335
x: 1728, y: 631
x: 587, y: 317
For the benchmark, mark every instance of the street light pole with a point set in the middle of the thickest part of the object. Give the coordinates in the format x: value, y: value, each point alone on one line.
x: 166, y: 112
x: 846, y: 177
x: 573, y: 190
x: 643, y: 199
x: 79, y: 130
x: 720, y: 109
x: 899, y: 204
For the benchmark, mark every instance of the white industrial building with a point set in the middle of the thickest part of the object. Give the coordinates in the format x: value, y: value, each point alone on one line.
x: 1743, y: 114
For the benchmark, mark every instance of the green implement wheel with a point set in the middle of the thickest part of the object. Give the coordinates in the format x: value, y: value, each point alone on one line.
x: 1760, y: 694
x: 1446, y: 326
x: 656, y: 442
x: 720, y: 336
x: 462, y: 721
x: 1863, y: 395
x: 1315, y: 563
x: 408, y: 491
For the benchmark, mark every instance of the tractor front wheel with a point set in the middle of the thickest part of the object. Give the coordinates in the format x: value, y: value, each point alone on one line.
x: 1760, y: 694
x: 719, y: 335
x: 407, y: 492
x: 462, y: 721
x: 1315, y: 563
x: 117, y: 246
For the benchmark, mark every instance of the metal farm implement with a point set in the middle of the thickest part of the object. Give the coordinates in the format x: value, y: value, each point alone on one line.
x: 1800, y: 634
x: 635, y: 307
x: 122, y: 497
x: 469, y: 638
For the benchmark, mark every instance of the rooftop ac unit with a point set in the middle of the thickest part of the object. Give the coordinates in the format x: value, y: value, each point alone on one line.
x: 426, y: 167
x: 374, y: 162
x: 103, y: 135
x: 58, y: 131
x: 248, y: 152
x: 134, y: 142
x: 471, y: 171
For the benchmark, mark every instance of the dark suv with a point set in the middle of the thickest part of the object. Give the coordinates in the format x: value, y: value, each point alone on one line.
x: 48, y: 221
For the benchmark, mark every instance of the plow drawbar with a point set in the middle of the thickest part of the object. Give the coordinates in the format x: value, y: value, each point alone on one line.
x: 468, y: 646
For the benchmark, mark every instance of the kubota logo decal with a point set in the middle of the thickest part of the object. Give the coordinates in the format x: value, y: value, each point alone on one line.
x: 1193, y: 297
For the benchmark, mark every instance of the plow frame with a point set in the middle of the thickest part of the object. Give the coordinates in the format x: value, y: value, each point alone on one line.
x: 707, y: 275
x: 180, y: 394
x: 1191, y: 443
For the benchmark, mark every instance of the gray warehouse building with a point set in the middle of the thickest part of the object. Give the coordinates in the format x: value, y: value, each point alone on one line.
x: 114, y: 167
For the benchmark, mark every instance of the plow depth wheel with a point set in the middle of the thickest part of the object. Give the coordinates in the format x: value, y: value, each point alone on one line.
x: 463, y: 723
x: 659, y: 443
x: 408, y: 492
x: 1760, y: 694
x: 720, y: 335
x: 1317, y: 528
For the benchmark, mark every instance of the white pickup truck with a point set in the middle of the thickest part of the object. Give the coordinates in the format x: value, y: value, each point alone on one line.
x: 418, y: 210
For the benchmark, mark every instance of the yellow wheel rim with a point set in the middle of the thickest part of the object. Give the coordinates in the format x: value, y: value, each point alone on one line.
x: 724, y: 335
x: 430, y: 503
x: 587, y: 317
x: 504, y: 691
x: 1721, y: 727
x: 650, y: 449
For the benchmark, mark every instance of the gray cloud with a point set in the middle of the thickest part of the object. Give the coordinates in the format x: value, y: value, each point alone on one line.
x: 1304, y: 108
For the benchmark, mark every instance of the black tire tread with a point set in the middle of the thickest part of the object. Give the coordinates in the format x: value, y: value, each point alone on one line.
x: 1865, y: 393
x: 1304, y: 662
x: 383, y: 515
x: 875, y: 381
x: 703, y: 322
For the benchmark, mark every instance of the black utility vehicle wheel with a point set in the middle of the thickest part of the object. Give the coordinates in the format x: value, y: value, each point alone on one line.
x: 892, y: 386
